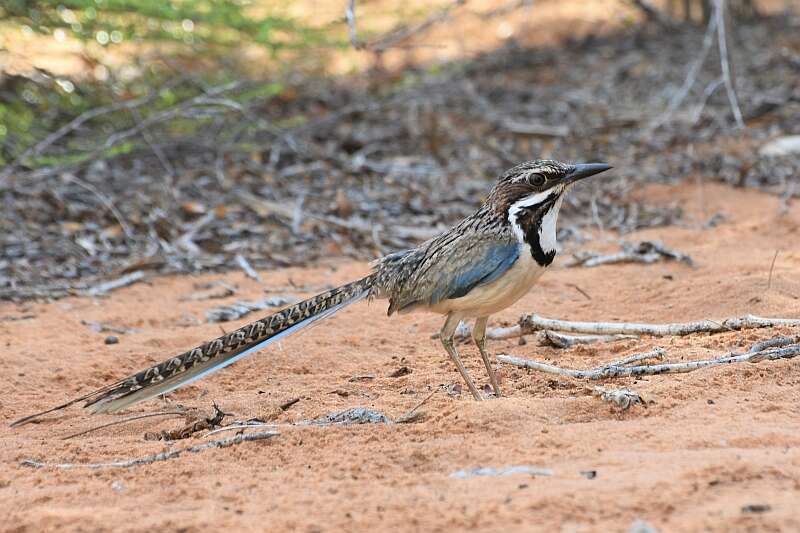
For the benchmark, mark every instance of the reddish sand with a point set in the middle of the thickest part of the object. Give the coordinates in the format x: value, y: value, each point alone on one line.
x: 708, y: 444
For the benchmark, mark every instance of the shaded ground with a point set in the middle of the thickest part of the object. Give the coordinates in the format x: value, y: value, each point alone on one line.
x: 709, y: 443
x: 293, y: 171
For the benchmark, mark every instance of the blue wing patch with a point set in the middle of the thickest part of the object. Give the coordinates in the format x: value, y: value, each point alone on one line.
x: 495, y: 262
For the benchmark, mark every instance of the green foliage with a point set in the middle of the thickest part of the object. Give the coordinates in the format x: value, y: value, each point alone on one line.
x: 209, y: 32
x: 214, y: 25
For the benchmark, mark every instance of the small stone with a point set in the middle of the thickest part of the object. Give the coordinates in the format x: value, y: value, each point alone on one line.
x: 112, y: 339
x: 453, y: 389
x: 589, y: 474
x: 400, y: 372
x: 710, y: 402
x: 782, y: 146
x: 640, y: 526
x: 756, y: 508
x: 117, y: 486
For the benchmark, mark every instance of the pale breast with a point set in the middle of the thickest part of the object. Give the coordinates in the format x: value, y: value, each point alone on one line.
x: 488, y: 299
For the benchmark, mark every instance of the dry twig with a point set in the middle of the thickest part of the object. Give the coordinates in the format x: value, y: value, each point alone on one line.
x: 163, y: 456
x: 412, y: 414
x: 771, y: 268
x: 622, y: 398
x: 71, y: 126
x: 768, y: 354
x: 194, y: 424
x: 657, y: 353
x: 106, y: 201
x: 225, y: 313
x: 642, y: 252
x: 506, y: 471
x: 727, y: 74
x: 124, y: 281
x: 532, y: 323
x: 561, y: 340
x: 652, y: 13
x: 399, y: 34
x: 248, y: 270
x: 123, y: 421
x: 691, y: 77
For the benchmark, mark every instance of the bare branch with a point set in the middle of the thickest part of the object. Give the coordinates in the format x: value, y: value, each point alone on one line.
x: 124, y: 281
x: 236, y: 310
x: 769, y: 354
x: 691, y: 77
x: 72, y: 125
x: 106, y: 201
x: 532, y: 323
x: 399, y: 34
x: 413, y: 413
x: 646, y: 252
x: 560, y: 340
x: 657, y: 353
x: 622, y: 398
x: 248, y: 270
x: 652, y: 13
x: 163, y: 456
x: 123, y: 421
x: 727, y: 75
x: 350, y: 16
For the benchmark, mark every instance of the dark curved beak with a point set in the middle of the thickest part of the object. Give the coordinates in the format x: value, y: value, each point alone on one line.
x: 584, y: 170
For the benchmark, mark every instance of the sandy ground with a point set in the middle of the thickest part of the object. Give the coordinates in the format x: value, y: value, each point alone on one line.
x: 707, y: 445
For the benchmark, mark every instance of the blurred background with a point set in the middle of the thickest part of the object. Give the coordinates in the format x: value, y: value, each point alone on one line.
x: 182, y: 136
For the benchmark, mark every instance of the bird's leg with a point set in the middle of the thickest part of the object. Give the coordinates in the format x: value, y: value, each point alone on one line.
x: 446, y: 335
x: 479, y: 336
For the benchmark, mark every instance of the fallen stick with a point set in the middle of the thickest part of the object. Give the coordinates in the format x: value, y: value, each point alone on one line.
x: 725, y: 66
x: 532, y: 323
x: 657, y: 353
x: 774, y: 342
x: 691, y: 76
x: 505, y: 471
x: 108, y: 286
x: 591, y: 259
x: 99, y: 327
x: 163, y: 456
x: 193, y: 425
x: 561, y: 340
x: 245, y: 266
x: 236, y: 310
x: 107, y: 203
x: 646, y: 252
x: 464, y: 331
x: 769, y: 354
x: 622, y: 398
x: 299, y: 288
x: 412, y: 414
x: 355, y: 415
x: 240, y: 426
x: 123, y: 421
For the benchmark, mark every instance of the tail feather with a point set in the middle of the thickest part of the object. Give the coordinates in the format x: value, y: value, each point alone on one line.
x: 218, y: 353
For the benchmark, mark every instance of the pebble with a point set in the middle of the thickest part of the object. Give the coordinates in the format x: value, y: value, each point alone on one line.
x: 111, y: 339
x: 782, y: 146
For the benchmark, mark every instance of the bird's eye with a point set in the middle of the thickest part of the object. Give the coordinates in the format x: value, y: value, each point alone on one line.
x: 537, y: 180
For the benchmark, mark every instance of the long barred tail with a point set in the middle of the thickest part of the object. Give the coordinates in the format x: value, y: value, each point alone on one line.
x: 216, y: 354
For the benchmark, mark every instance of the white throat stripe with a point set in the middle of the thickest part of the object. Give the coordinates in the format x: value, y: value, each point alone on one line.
x: 547, y: 229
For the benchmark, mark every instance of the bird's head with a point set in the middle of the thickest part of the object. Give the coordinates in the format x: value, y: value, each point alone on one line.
x: 544, y: 180
x: 528, y: 197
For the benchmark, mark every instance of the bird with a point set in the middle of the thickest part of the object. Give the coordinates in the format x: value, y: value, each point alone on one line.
x: 475, y: 269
